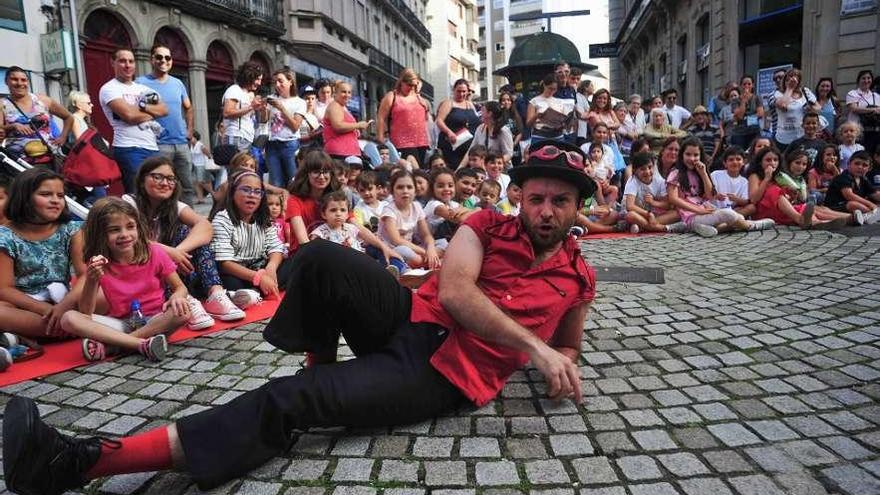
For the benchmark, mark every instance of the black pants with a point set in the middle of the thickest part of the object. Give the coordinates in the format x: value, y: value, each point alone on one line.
x: 418, y: 153
x: 332, y: 289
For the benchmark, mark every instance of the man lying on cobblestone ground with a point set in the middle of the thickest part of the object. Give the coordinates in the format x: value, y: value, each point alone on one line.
x: 511, y: 290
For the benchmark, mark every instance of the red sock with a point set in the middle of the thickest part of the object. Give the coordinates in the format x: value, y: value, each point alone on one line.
x: 148, y: 451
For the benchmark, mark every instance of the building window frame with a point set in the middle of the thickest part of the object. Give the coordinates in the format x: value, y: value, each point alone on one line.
x: 14, y: 24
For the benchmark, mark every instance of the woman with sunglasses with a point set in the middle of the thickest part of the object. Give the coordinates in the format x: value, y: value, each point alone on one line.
x: 185, y: 236
x: 314, y: 180
x: 792, y: 102
x: 403, y: 117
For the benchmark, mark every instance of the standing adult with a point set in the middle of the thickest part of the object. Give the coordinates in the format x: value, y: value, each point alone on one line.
x: 772, y: 119
x: 492, y: 133
x: 310, y: 131
x: 454, y: 115
x: 547, y: 115
x: 864, y: 108
x: 513, y: 121
x: 242, y: 108
x: 583, y: 97
x: 791, y: 103
x: 568, y: 96
x: 830, y: 107
x: 177, y: 125
x: 746, y: 112
x: 403, y: 117
x: 286, y: 113
x: 677, y: 114
x: 26, y: 119
x: 341, y: 129
x: 324, y: 89
x: 511, y: 290
x: 132, y: 110
x: 80, y: 105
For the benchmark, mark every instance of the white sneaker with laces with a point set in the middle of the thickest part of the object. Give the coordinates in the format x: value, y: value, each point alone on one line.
x: 677, y: 228
x: 245, y: 298
x: 198, y: 318
x: 872, y: 217
x: 859, y: 217
x: 705, y: 230
x: 633, y: 229
x: 763, y: 224
x: 221, y: 307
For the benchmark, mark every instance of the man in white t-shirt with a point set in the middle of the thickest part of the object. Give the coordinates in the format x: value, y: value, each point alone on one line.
x: 131, y: 109
x: 242, y: 108
x: 678, y: 115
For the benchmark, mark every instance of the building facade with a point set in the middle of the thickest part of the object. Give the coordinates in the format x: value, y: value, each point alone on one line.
x: 454, y: 42
x: 696, y: 47
x: 21, y: 28
x: 498, y: 36
x: 364, y: 42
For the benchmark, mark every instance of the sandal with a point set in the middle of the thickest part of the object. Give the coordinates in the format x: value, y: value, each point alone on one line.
x: 154, y: 348
x: 93, y: 350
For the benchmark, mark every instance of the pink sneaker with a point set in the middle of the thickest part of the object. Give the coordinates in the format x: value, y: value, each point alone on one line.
x: 220, y: 306
x: 198, y: 318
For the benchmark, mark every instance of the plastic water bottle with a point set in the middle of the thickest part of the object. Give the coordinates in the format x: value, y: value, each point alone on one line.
x: 136, y: 318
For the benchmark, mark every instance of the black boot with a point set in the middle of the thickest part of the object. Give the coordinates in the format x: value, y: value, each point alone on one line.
x: 37, y: 459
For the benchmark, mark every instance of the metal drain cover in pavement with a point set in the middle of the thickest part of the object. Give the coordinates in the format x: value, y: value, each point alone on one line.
x: 629, y: 274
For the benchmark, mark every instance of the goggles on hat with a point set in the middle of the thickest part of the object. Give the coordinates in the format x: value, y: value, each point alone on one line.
x: 549, y: 152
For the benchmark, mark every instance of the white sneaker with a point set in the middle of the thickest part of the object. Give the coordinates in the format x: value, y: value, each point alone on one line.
x: 221, y: 307
x: 763, y: 224
x: 633, y: 229
x: 245, y: 298
x: 577, y: 231
x: 198, y: 318
x: 859, y: 217
x: 5, y: 359
x: 705, y: 230
x: 873, y: 217
x: 677, y: 228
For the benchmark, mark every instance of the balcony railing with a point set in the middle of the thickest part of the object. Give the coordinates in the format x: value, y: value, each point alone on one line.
x: 411, y: 19
x: 258, y: 16
x: 391, y: 69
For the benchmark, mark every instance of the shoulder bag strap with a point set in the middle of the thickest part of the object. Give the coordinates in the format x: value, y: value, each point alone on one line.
x: 40, y: 136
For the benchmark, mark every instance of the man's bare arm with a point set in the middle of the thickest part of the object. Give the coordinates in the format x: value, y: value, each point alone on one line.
x: 567, y: 339
x: 469, y: 306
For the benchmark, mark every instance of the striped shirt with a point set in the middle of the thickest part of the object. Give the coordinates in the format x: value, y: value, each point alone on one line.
x: 246, y: 243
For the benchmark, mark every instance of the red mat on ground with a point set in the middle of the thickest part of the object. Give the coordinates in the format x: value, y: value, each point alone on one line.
x: 617, y: 235
x: 62, y: 356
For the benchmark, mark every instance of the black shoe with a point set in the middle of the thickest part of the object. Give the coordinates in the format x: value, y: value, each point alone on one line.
x: 39, y: 460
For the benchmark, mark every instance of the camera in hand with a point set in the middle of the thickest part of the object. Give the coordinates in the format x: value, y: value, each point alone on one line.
x: 870, y: 121
x: 151, y: 98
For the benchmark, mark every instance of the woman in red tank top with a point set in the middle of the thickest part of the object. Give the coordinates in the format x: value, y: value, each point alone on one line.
x: 341, y: 130
x: 403, y: 117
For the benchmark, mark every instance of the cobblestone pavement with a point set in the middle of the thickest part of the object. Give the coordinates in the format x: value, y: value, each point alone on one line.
x: 753, y: 370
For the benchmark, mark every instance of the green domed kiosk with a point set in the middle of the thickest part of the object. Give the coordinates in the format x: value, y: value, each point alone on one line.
x: 535, y: 57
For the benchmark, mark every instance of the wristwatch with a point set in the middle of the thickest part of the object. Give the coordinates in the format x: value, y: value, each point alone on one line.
x: 142, y: 104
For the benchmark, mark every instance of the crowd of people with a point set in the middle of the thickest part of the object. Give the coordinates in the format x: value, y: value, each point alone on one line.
x: 298, y: 187
x: 146, y: 263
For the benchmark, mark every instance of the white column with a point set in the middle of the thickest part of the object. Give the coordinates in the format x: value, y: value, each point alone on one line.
x: 198, y: 97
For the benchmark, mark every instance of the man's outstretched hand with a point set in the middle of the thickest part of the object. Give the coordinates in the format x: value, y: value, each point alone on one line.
x: 560, y: 373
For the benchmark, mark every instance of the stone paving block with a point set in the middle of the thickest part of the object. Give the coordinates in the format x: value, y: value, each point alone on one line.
x: 733, y: 434
x: 594, y: 470
x: 846, y: 421
x: 704, y: 486
x: 773, y: 460
x: 479, y: 447
x: 525, y: 448
x: 496, y: 473
x: 846, y: 447
x: 305, y: 469
x: 670, y: 398
x: 612, y: 442
x: 572, y: 423
x: 714, y: 411
x: 680, y: 415
x: 351, y: 446
x: 390, y: 446
x: 441, y: 473
x: 354, y: 490
x: 546, y: 472
x: 122, y: 425
x: 808, y: 453
x: 653, y: 489
x: 755, y: 485
x: 851, y: 479
x: 642, y: 418
x: 639, y: 467
x: 432, y: 447
x: 811, y: 426
x: 570, y: 444
x: 126, y: 484
x: 772, y: 430
x: 353, y: 469
x: 653, y: 440
x: 683, y: 464
x: 727, y: 461
x: 605, y: 490
x: 308, y: 443
x: 250, y: 487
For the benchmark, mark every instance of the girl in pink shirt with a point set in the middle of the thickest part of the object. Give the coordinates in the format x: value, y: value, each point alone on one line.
x: 124, y: 268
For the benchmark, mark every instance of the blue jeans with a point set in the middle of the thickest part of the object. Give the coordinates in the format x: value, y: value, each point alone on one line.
x: 281, y: 161
x: 181, y: 157
x: 129, y: 159
x: 377, y: 255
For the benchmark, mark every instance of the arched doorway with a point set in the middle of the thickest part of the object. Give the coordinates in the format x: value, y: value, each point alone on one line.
x: 175, y: 42
x: 219, y: 74
x: 103, y: 34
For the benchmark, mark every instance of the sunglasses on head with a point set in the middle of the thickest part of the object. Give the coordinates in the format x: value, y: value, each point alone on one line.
x: 572, y: 158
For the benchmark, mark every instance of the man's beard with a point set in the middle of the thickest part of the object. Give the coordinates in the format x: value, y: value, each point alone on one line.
x: 542, y: 243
